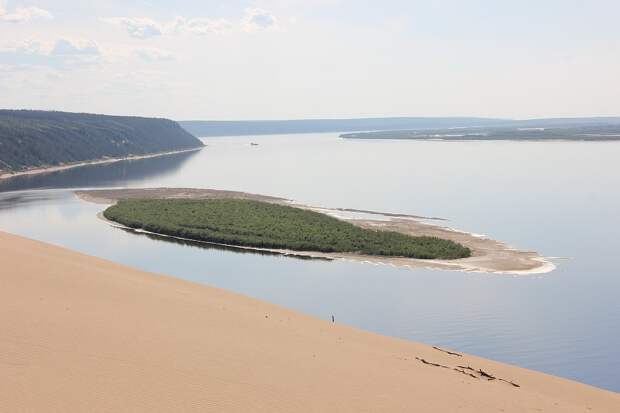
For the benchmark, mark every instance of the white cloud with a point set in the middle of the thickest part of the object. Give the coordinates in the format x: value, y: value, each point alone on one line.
x: 259, y: 19
x: 138, y: 27
x: 144, y: 27
x: 23, y: 51
x: 27, y: 46
x: 22, y: 14
x: 201, y: 26
x: 64, y: 47
x: 62, y: 53
x: 153, y: 55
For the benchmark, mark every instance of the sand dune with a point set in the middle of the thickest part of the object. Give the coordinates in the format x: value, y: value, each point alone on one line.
x: 81, y: 334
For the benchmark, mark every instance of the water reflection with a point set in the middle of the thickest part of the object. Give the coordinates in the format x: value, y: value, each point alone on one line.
x: 21, y: 199
x: 219, y: 247
x: 109, y: 175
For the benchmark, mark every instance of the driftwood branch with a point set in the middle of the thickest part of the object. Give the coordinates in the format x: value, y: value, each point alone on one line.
x: 448, y: 352
x: 510, y: 382
x: 431, y: 363
x: 469, y: 371
x: 466, y: 373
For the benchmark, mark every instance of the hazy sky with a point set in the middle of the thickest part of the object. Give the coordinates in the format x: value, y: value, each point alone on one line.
x: 277, y: 59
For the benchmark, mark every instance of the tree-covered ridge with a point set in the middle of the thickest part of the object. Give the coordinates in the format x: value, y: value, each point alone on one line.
x: 31, y: 139
x: 266, y: 225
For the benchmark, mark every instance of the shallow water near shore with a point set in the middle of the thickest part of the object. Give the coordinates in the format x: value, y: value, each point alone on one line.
x: 558, y: 198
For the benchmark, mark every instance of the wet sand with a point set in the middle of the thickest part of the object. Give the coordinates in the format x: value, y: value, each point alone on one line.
x: 84, y: 334
x: 488, y: 255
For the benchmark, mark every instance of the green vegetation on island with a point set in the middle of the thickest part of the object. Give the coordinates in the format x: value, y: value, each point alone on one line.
x: 34, y: 139
x: 257, y: 224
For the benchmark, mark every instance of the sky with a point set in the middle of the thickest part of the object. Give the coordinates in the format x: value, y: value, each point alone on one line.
x: 294, y: 59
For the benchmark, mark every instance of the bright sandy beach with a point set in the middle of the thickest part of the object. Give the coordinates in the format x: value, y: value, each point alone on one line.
x: 84, y: 334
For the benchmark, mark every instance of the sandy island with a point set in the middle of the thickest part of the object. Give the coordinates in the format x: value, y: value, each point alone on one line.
x: 82, y: 334
x: 62, y: 167
x: 488, y: 255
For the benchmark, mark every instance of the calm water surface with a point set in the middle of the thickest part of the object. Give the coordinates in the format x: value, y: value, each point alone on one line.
x: 559, y: 198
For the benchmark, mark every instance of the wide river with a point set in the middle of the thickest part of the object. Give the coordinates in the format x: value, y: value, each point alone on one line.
x: 559, y: 198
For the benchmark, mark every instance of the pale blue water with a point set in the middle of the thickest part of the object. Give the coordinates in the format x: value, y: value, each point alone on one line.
x: 559, y: 198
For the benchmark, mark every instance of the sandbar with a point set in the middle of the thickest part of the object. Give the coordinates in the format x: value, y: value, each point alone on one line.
x: 488, y: 255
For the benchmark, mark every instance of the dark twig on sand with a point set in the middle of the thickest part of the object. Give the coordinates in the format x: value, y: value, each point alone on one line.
x: 510, y: 382
x: 448, y: 352
x: 466, y: 373
x: 431, y: 363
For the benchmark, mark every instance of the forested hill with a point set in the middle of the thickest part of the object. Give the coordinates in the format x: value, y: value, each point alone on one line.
x: 31, y: 139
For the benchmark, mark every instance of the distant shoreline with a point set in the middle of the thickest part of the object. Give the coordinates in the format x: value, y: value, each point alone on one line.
x: 206, y: 128
x: 37, y: 171
x: 581, y: 133
x: 492, y: 139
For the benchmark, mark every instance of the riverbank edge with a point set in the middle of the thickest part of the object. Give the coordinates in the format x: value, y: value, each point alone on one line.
x: 103, y: 161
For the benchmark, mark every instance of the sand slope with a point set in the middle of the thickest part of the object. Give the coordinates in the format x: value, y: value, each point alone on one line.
x: 82, y: 334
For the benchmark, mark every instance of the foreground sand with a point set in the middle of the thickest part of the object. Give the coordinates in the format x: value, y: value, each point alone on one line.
x: 83, y: 334
x: 488, y: 255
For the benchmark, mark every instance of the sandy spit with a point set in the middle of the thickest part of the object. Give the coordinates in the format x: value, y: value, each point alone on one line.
x: 488, y: 255
x: 36, y: 171
x: 84, y: 334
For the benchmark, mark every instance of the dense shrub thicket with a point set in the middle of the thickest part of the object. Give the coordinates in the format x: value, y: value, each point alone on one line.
x: 38, y: 139
x: 264, y: 225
